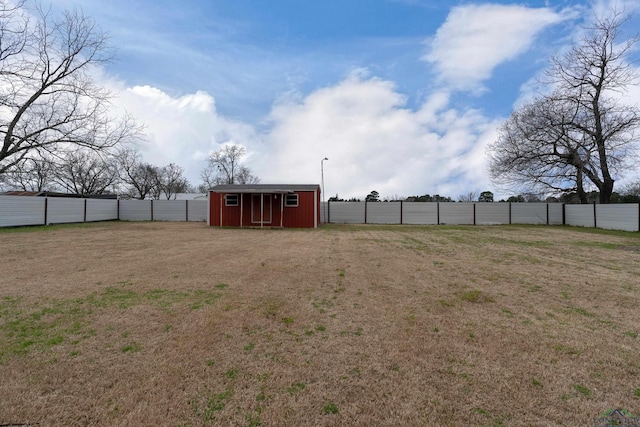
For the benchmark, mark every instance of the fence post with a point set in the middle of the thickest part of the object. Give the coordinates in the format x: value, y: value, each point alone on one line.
x: 474, y: 214
x: 564, y: 218
x: 151, y: 209
x: 438, y: 212
x: 365, y: 211
x: 595, y: 217
x: 400, y: 212
x: 118, y: 208
x: 547, y: 213
x: 509, y: 213
x: 186, y: 216
x: 85, y: 211
x: 46, y: 210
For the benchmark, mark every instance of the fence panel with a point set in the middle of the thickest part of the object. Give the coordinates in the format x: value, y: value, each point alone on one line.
x: 135, y: 210
x: 579, y: 215
x: 492, y: 213
x: 528, y: 213
x: 169, y: 210
x: 62, y: 210
x: 555, y: 214
x: 456, y: 213
x: 618, y: 217
x: 384, y: 213
x: 323, y: 212
x: 19, y: 210
x: 420, y: 213
x: 101, y: 210
x: 197, y: 210
x: 347, y: 212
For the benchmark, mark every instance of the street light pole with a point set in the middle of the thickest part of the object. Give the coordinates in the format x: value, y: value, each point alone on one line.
x: 322, y: 175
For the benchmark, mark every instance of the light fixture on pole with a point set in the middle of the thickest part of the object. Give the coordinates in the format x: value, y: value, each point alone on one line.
x: 322, y: 176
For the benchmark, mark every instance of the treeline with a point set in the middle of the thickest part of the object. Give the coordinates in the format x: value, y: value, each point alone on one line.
x: 89, y: 172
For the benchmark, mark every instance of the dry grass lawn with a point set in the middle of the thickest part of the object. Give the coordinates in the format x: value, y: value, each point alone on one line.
x: 180, y: 324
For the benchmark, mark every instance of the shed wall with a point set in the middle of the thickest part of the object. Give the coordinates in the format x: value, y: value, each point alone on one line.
x: 305, y: 215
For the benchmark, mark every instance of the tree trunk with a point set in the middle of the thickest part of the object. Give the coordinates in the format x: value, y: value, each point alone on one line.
x: 606, y: 190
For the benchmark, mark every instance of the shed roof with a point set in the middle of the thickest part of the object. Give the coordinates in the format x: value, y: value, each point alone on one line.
x: 264, y: 188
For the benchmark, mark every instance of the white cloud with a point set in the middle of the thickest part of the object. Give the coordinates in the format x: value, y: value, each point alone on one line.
x: 183, y: 129
x: 362, y: 124
x: 477, y: 38
x: 374, y: 142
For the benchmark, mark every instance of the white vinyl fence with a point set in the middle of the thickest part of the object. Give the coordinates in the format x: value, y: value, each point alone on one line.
x: 613, y: 216
x: 22, y: 210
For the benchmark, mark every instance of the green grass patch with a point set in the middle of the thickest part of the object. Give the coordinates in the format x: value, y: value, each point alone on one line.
x: 295, y: 388
x: 26, y: 328
x: 232, y: 373
x: 579, y: 310
x: 207, y: 406
x: 508, y: 313
x: 586, y: 392
x: 474, y: 296
x: 288, y: 320
x: 134, y: 347
x: 330, y: 408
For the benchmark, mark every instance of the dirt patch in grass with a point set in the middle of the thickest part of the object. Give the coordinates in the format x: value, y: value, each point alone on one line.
x: 182, y: 324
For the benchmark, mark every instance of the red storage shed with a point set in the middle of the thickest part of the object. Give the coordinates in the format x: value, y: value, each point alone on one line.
x: 264, y: 205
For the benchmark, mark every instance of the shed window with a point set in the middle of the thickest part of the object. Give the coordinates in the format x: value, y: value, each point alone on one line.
x: 231, y: 199
x: 291, y: 200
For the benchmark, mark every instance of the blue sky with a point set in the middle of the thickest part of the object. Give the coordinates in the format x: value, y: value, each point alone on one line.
x: 402, y: 96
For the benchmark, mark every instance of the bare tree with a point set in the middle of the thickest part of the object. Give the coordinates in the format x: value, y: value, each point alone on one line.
x: 140, y: 178
x: 33, y: 174
x: 471, y: 196
x: 49, y: 101
x: 582, y: 134
x: 538, y: 148
x: 86, y: 172
x: 170, y: 181
x: 224, y: 167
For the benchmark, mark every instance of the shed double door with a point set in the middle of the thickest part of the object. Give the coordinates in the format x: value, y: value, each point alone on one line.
x: 261, y: 208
